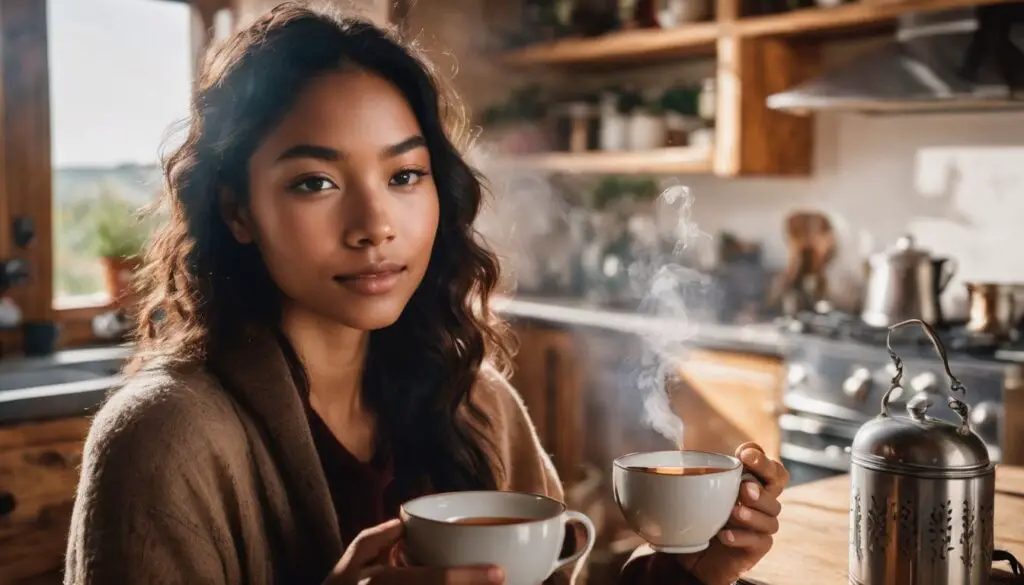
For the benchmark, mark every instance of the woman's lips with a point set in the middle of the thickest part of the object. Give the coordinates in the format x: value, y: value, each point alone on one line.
x: 371, y: 283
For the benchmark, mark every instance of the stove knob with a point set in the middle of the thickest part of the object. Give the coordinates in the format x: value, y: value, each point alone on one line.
x: 796, y: 375
x: 924, y: 382
x: 834, y: 452
x: 985, y: 419
x: 858, y: 384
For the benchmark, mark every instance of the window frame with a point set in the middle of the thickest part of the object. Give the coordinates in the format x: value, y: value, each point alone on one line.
x: 26, y: 169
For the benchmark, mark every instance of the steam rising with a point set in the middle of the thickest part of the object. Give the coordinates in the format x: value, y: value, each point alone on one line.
x: 531, y: 214
x: 672, y: 289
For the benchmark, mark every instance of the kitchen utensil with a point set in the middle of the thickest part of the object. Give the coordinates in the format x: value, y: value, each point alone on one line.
x: 39, y: 338
x: 903, y: 283
x: 922, y: 491
x: 992, y: 310
x: 811, y: 243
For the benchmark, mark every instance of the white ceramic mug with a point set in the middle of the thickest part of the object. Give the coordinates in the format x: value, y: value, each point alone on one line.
x: 528, y: 550
x: 676, y: 513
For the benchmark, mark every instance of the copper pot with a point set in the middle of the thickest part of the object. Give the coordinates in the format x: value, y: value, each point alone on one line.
x: 992, y: 309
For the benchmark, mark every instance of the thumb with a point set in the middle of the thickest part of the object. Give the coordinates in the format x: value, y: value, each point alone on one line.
x: 369, y: 545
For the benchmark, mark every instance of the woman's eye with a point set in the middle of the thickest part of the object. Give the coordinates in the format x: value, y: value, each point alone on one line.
x: 406, y: 178
x: 313, y: 185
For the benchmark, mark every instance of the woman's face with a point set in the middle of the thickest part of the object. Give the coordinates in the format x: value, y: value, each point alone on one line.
x: 342, y: 203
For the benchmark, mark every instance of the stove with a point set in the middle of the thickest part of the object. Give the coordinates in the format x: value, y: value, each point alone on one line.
x: 838, y: 369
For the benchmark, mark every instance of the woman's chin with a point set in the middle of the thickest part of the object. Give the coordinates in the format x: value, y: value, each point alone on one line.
x: 370, y: 316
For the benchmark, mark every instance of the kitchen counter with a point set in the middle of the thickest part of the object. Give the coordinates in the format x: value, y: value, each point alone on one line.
x: 55, y: 400
x: 66, y: 357
x: 763, y: 338
x: 812, y: 545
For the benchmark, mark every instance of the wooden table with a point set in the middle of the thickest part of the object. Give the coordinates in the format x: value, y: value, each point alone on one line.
x: 811, y: 547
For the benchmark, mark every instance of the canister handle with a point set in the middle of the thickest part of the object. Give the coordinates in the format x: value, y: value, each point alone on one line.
x: 955, y: 385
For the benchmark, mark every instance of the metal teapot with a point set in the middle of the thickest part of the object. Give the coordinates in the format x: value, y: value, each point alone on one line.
x: 905, y: 283
x: 922, y: 492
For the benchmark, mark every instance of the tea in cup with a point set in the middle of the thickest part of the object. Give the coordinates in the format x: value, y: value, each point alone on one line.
x: 676, y: 500
x: 521, y: 533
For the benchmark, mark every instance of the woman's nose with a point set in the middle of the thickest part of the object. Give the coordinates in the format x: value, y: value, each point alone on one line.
x: 368, y: 221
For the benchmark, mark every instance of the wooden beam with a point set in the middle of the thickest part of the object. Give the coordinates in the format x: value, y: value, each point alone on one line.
x: 750, y: 138
x: 861, y: 15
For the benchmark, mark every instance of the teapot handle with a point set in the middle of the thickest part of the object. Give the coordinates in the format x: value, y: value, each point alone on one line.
x: 955, y: 385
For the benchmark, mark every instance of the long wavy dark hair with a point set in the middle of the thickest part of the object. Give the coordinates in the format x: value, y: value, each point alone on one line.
x: 200, y: 285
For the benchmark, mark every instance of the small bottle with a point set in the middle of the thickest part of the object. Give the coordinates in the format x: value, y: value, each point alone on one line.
x: 707, y: 102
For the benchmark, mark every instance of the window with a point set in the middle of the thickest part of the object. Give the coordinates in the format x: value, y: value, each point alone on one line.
x: 120, y: 74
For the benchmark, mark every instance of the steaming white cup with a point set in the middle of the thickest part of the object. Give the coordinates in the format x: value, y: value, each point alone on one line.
x: 676, y: 513
x: 528, y: 549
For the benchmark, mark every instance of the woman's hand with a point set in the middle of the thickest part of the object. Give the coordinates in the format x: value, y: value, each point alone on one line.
x: 748, y: 535
x: 358, y: 565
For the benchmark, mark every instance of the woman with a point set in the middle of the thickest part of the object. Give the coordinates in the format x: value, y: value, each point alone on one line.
x: 316, y: 345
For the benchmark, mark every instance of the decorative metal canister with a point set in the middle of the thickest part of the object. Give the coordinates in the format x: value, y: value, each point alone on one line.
x: 922, y: 492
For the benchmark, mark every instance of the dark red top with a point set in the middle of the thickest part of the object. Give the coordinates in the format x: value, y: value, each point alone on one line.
x: 363, y: 491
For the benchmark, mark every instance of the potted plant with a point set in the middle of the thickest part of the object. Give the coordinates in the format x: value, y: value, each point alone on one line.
x: 680, y: 106
x: 118, y: 236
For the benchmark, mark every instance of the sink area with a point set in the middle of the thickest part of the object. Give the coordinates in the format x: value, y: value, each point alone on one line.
x: 67, y: 383
x: 45, y: 377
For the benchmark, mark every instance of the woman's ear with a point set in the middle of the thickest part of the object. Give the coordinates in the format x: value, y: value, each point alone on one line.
x: 235, y: 217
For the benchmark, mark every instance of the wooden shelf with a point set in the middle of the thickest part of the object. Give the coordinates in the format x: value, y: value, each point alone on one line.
x: 672, y: 160
x: 620, y: 47
x: 650, y: 45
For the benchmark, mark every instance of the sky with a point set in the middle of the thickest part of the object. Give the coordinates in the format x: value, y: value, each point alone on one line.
x: 120, y: 75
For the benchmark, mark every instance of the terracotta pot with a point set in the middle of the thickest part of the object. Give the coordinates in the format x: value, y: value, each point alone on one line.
x: 117, y: 276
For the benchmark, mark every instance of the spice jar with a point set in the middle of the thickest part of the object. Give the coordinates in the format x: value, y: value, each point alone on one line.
x: 583, y: 127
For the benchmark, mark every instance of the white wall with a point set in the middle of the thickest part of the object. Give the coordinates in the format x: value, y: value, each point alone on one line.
x: 956, y: 182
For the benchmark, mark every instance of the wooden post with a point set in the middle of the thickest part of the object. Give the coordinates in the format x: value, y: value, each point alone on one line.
x: 25, y: 171
x: 752, y: 139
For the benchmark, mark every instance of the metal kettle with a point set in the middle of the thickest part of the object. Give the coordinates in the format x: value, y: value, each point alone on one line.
x: 922, y: 492
x: 903, y: 283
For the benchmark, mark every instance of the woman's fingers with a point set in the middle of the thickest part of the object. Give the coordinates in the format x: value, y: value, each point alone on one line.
x: 370, y: 544
x: 751, y: 520
x: 772, y: 473
x: 753, y: 495
x: 433, y: 576
x: 752, y: 541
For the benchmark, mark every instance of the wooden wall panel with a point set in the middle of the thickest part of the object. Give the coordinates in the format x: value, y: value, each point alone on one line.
x: 25, y: 174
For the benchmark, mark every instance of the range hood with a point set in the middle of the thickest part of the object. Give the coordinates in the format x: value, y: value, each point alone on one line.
x: 959, y: 60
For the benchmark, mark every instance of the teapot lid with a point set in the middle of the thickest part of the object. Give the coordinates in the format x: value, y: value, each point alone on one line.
x: 905, y: 247
x: 919, y: 443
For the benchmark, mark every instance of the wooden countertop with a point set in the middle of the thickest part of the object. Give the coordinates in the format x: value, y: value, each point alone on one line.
x: 811, y: 547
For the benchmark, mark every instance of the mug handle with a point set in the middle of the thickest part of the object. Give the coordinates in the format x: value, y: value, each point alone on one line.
x: 583, y: 553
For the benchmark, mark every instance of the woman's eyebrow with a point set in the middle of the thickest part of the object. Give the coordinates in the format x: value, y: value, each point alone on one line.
x: 410, y: 143
x: 324, y: 153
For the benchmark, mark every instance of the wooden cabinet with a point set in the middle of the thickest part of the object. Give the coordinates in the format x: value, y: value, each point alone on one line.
x: 549, y: 375
x: 39, y: 466
x: 726, y: 399
x: 1013, y: 416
